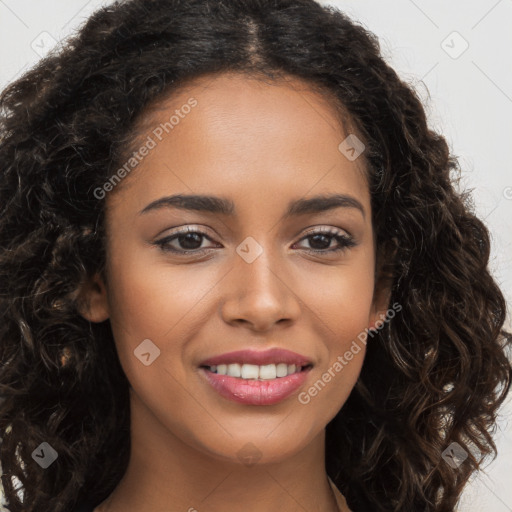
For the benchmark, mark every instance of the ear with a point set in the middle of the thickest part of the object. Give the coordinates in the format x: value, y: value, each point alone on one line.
x: 93, y: 302
x: 383, y: 284
x: 379, y: 308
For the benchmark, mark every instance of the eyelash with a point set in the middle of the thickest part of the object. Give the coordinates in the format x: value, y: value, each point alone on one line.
x: 345, y: 242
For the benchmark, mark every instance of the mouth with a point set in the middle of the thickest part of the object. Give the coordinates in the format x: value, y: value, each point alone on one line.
x: 256, y: 377
x: 273, y: 356
x: 256, y: 385
x: 246, y: 371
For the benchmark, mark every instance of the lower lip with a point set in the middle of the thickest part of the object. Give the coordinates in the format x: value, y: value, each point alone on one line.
x: 255, y: 392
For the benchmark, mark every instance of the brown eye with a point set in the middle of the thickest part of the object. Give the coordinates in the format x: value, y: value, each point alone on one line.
x: 185, y: 241
x: 320, y: 241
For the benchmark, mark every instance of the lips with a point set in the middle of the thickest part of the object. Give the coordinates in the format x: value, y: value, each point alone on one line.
x: 255, y: 392
x: 258, y: 357
x: 252, y: 391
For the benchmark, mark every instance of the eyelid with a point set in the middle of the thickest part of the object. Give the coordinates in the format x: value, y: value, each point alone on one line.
x: 194, y: 228
x: 344, y: 238
x: 180, y: 231
x: 312, y: 229
x: 185, y: 228
x: 326, y: 229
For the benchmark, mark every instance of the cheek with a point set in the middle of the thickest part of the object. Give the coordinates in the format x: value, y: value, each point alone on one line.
x: 344, y: 307
x: 150, y: 300
x: 341, y: 302
x: 341, y: 298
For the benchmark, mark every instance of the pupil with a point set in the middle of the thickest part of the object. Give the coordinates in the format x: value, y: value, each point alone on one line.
x: 189, y: 238
x: 315, y: 238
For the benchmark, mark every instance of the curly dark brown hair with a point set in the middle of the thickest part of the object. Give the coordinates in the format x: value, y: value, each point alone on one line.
x: 435, y: 374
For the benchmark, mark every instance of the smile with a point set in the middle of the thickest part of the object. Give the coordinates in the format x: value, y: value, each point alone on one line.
x: 253, y: 371
x: 256, y: 391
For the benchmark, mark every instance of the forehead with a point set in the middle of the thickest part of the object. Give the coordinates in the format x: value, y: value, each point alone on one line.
x: 244, y: 135
x: 255, y: 106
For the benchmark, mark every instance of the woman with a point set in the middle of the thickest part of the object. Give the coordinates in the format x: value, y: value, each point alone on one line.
x: 236, y: 273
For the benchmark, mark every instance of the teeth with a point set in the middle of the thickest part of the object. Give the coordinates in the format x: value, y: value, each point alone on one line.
x: 282, y: 370
x: 253, y: 371
x: 268, y: 371
x: 250, y: 371
x: 234, y: 370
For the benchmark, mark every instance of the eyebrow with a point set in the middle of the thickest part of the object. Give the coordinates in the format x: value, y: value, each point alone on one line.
x: 223, y: 206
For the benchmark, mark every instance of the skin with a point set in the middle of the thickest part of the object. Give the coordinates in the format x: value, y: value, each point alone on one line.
x: 260, y: 145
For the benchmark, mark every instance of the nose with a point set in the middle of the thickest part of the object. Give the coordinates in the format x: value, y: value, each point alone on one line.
x: 260, y: 294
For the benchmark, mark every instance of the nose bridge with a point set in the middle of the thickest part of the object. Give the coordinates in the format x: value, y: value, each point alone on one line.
x: 259, y: 293
x: 258, y: 268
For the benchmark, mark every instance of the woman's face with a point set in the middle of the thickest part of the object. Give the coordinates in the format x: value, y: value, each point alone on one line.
x: 252, y: 276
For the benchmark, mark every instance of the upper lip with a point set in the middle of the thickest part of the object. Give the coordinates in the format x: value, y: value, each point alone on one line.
x: 258, y: 357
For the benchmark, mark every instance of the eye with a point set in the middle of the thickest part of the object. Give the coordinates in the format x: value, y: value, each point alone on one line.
x: 321, y: 241
x: 188, y: 240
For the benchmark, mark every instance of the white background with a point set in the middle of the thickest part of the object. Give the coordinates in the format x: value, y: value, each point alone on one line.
x: 467, y: 94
